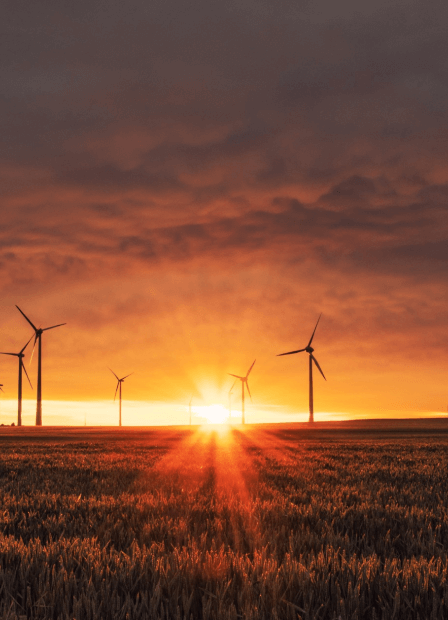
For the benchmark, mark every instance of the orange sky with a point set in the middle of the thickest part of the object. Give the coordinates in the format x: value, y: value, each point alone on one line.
x: 188, y: 188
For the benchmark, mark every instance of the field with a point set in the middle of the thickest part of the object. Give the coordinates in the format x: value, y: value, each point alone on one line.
x: 345, y: 521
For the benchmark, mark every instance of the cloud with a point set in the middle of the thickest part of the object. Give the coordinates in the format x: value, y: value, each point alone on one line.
x: 359, y: 224
x: 201, y: 166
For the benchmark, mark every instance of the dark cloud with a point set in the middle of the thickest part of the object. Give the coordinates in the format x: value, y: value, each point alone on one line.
x: 347, y: 228
x: 243, y: 155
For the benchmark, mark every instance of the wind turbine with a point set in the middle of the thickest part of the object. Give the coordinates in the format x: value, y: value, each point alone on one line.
x: 309, y: 349
x: 38, y: 338
x: 243, y: 382
x: 119, y: 382
x: 20, y: 355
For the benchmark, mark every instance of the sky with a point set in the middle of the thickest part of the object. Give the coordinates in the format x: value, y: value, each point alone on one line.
x: 189, y: 185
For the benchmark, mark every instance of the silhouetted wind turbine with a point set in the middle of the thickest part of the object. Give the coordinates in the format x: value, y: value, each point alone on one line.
x: 309, y: 349
x: 38, y: 338
x: 20, y: 355
x: 119, y: 382
x: 243, y: 382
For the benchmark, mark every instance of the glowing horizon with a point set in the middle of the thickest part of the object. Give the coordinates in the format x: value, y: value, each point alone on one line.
x: 141, y: 413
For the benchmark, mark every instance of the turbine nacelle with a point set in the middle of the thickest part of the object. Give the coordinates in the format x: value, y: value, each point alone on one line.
x: 309, y: 349
x: 244, y: 381
x: 38, y: 331
x: 119, y: 382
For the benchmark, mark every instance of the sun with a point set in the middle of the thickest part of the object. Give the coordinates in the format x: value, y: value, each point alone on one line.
x: 213, y: 414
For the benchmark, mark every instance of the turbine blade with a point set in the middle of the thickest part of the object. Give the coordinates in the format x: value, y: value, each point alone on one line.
x: 32, y: 352
x: 16, y: 354
x: 230, y: 391
x: 23, y: 366
x: 250, y: 368
x: 33, y: 326
x: 250, y: 395
x: 237, y: 376
x: 131, y: 373
x: 26, y: 345
x: 2, y: 390
x: 116, y: 390
x: 53, y: 326
x: 317, y: 364
x: 113, y: 373
x: 291, y: 352
x: 312, y: 335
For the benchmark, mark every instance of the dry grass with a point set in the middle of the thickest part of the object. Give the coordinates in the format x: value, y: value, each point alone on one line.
x: 260, y: 524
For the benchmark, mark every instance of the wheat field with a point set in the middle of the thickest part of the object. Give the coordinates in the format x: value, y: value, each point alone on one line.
x: 259, y: 523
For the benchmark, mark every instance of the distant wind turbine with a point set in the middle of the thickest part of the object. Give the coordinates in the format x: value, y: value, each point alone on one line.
x: 119, y: 382
x: 243, y: 382
x: 20, y: 355
x: 309, y: 349
x: 38, y: 338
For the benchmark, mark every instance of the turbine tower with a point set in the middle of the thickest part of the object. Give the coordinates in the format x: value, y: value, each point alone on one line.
x: 119, y: 382
x: 38, y: 338
x: 243, y: 382
x: 309, y: 349
x: 20, y: 355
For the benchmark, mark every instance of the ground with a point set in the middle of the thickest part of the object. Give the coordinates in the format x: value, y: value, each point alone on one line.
x: 346, y: 520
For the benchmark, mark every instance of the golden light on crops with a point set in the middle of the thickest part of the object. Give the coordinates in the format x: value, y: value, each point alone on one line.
x: 239, y: 497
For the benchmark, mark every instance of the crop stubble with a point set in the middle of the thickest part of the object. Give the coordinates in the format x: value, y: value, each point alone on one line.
x: 201, y: 524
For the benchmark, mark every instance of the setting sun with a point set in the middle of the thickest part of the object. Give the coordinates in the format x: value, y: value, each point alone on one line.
x: 213, y: 414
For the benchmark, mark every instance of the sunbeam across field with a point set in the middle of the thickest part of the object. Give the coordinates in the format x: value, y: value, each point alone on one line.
x: 287, y: 522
